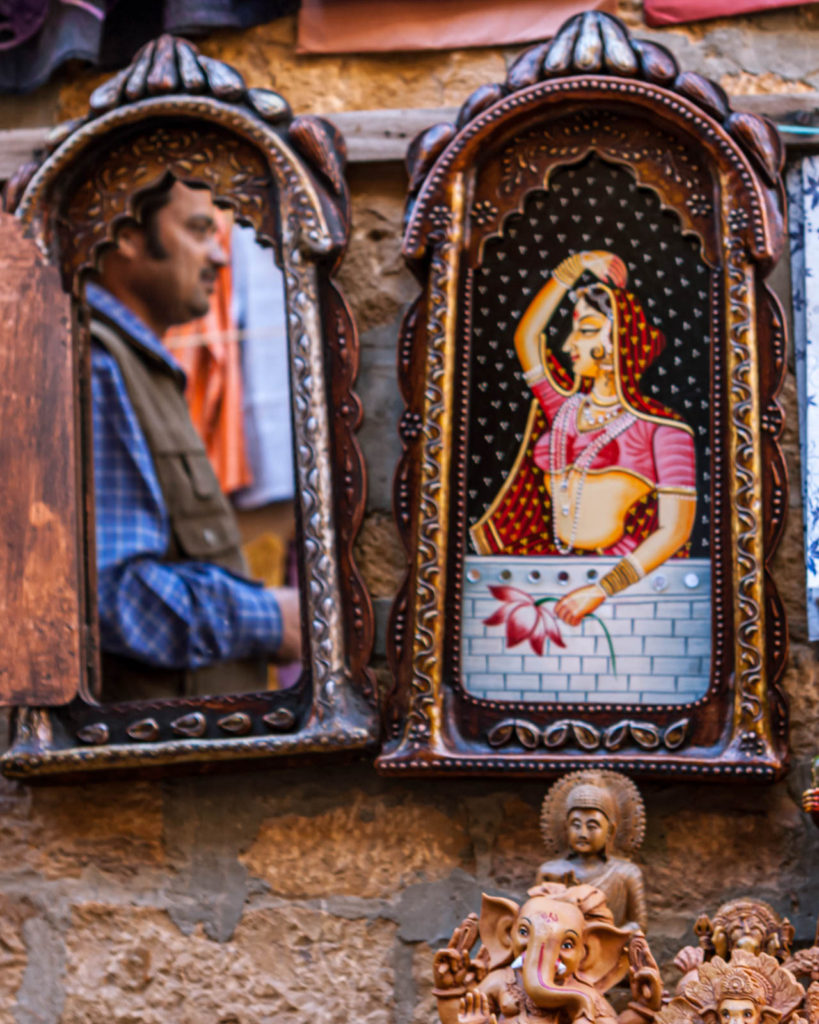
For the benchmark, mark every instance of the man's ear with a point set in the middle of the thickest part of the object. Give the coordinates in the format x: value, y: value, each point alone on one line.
x: 130, y: 241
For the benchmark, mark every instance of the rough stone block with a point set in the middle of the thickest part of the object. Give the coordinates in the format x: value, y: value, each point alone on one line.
x: 129, y: 964
x: 357, y: 847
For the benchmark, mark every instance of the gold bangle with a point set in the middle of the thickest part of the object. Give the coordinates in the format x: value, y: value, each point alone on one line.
x: 568, y: 270
x: 621, y: 576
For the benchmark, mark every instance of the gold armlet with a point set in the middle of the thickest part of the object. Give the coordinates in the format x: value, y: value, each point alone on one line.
x: 568, y: 271
x: 621, y: 576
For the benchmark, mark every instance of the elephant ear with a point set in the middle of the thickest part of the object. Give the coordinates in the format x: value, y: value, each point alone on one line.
x: 606, y: 959
x: 498, y: 917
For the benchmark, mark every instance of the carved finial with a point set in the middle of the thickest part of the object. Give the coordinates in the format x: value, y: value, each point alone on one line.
x: 169, y: 65
x: 595, y: 43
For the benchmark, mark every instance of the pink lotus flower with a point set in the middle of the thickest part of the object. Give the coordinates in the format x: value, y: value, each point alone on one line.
x: 525, y: 618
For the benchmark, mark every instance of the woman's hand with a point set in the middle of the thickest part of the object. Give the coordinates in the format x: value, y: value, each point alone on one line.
x: 606, y: 266
x: 575, y: 606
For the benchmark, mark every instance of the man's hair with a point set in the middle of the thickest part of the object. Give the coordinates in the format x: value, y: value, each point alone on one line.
x: 147, y: 206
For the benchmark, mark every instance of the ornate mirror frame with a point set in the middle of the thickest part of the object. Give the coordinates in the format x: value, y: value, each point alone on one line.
x: 592, y: 92
x: 175, y: 110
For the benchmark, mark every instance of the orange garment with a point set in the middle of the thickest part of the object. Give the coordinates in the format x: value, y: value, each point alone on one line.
x: 207, y: 350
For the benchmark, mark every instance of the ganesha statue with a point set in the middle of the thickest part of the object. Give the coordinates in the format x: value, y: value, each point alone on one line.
x: 550, y: 960
x: 753, y: 988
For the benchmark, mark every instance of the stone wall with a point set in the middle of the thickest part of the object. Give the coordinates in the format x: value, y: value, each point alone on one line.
x: 317, y: 893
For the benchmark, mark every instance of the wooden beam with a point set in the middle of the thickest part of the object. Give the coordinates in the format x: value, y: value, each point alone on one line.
x: 375, y: 136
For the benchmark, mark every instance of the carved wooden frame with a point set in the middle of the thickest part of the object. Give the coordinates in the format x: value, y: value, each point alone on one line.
x: 176, y: 110
x: 591, y: 67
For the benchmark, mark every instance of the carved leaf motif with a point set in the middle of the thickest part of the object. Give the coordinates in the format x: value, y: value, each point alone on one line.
x: 225, y: 82
x: 280, y: 720
x: 107, y: 95
x: 193, y: 725
x: 425, y: 149
x: 615, y: 735
x: 269, y: 105
x: 163, y: 76
x: 525, y: 70
x: 238, y: 723
x: 586, y: 735
x: 527, y: 734
x: 674, y: 735
x: 193, y: 78
x: 557, y: 733
x: 97, y: 733
x: 318, y: 142
x: 645, y: 734
x: 145, y: 730
x: 484, y: 96
x: 658, y: 64
x: 135, y: 86
x: 706, y: 94
x: 500, y: 734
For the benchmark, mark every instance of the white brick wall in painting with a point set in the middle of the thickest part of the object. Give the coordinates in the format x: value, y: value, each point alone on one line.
x: 660, y: 629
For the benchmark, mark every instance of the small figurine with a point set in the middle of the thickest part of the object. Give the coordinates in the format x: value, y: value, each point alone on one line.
x: 805, y: 963
x: 750, y: 925
x: 810, y: 798
x: 549, y: 961
x: 751, y: 989
x: 587, y: 818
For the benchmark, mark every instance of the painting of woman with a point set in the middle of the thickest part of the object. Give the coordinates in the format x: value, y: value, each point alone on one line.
x: 603, y: 469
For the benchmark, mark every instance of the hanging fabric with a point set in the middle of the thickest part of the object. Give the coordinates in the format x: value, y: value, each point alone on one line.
x: 675, y: 12
x: 260, y: 314
x: 802, y: 184
x: 208, y: 352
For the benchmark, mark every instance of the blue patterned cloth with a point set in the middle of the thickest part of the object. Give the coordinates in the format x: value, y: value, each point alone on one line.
x: 170, y: 614
x: 802, y: 183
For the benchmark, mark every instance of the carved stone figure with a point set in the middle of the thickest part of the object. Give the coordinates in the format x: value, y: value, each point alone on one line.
x: 741, y: 924
x: 805, y: 963
x: 588, y: 819
x: 751, y: 989
x: 553, y: 958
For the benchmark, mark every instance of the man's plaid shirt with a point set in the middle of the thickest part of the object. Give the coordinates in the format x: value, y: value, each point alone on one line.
x: 171, y: 614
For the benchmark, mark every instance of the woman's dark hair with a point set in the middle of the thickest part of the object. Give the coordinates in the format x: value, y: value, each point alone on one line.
x: 597, y: 297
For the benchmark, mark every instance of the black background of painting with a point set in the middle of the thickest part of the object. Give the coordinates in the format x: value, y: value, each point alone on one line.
x: 593, y: 205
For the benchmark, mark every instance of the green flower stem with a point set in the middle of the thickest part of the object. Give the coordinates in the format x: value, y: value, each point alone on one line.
x: 592, y: 615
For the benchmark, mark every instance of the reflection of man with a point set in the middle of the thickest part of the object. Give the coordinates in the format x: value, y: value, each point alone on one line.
x: 177, y: 614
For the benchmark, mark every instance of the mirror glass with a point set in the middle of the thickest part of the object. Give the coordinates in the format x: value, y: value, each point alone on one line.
x: 587, y: 576
x: 197, y: 569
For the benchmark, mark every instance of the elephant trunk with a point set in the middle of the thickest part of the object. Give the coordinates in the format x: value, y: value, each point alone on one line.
x: 539, y: 983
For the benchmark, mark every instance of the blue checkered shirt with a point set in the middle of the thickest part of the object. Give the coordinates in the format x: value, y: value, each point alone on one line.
x: 170, y: 614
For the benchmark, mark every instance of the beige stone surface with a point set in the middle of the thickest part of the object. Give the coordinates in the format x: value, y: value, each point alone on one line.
x: 60, y: 831
x: 291, y: 965
x: 373, y: 275
x: 366, y: 846
x: 13, y: 953
x: 115, y: 828
x: 425, y: 1005
x: 380, y: 555
x: 517, y: 849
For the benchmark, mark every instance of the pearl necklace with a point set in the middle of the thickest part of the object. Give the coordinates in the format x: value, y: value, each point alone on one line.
x: 591, y: 415
x: 559, y: 471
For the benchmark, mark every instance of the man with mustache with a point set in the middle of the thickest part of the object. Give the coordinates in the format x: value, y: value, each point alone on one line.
x: 178, y: 615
